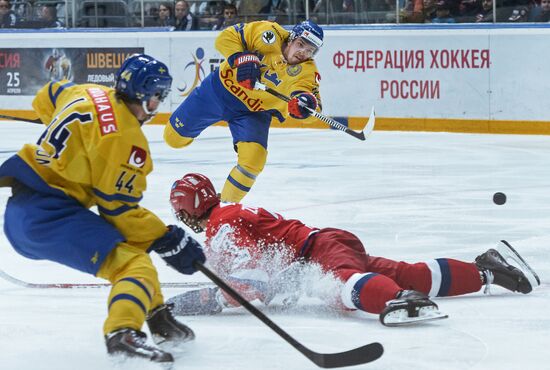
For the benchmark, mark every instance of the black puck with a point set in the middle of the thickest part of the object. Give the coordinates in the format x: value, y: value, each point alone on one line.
x: 499, y: 198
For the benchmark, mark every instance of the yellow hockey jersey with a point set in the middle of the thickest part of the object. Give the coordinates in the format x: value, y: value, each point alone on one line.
x: 95, y: 151
x: 266, y: 39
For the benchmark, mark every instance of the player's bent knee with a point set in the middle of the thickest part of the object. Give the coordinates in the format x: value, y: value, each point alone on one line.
x: 252, y: 156
x: 125, y: 261
x: 175, y: 140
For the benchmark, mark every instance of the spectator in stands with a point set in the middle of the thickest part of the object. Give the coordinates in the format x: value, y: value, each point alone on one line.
x: 228, y: 18
x: 412, y: 12
x: 8, y: 19
x: 165, y: 16
x: 443, y: 13
x: 520, y: 14
x: 541, y: 13
x: 185, y: 20
x: 251, y: 9
x: 486, y: 14
x: 430, y: 7
x: 468, y: 9
x: 47, y: 19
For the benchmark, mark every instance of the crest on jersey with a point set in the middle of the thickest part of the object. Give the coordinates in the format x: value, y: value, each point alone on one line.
x: 268, y: 37
x: 294, y: 70
x: 317, y: 77
x: 137, y: 157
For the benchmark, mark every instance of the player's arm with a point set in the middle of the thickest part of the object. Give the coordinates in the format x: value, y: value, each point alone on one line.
x: 231, y: 40
x: 305, y: 93
x: 237, y: 44
x: 118, y: 190
x: 45, y: 101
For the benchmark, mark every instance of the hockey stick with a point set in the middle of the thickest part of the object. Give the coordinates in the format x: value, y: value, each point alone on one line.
x: 356, y: 356
x: 26, y: 284
x: 361, y: 135
x: 22, y: 119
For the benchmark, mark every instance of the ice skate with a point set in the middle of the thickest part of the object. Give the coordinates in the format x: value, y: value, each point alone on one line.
x: 494, y: 264
x: 166, y: 329
x: 410, y: 307
x: 132, y: 343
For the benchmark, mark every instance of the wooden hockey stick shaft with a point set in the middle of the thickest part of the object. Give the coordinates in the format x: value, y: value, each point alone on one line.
x: 22, y: 119
x: 361, y: 135
x: 26, y: 284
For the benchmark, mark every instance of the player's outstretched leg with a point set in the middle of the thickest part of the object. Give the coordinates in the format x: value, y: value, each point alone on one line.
x: 496, y: 269
x: 132, y: 343
x: 409, y: 307
x: 165, y: 328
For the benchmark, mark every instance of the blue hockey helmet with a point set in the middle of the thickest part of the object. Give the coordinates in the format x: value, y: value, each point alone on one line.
x: 310, y: 32
x: 142, y: 77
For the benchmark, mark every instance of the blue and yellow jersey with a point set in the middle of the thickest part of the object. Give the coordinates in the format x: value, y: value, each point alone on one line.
x: 94, y: 151
x: 266, y: 39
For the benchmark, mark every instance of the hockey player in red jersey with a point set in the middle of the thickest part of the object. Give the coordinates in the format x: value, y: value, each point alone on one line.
x: 238, y: 239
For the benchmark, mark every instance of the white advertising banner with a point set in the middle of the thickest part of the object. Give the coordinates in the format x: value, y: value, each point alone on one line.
x: 473, y: 74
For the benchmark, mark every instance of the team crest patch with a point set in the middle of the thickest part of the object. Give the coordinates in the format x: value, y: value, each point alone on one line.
x: 317, y: 77
x: 268, y: 37
x: 137, y: 157
x: 294, y: 70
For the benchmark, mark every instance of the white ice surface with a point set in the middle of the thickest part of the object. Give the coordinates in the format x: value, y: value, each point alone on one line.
x: 408, y: 196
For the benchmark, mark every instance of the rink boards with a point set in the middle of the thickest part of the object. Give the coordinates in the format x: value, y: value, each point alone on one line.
x: 484, y: 79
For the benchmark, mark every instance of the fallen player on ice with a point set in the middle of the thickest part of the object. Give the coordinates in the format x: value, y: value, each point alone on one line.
x: 261, y: 254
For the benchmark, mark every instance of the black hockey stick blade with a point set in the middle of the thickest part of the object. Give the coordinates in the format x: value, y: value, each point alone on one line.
x: 22, y: 119
x: 357, y: 356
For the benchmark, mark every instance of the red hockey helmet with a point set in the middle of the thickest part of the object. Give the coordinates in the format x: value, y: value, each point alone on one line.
x: 192, y: 197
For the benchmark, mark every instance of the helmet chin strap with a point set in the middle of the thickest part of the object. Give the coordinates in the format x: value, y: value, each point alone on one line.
x: 150, y: 114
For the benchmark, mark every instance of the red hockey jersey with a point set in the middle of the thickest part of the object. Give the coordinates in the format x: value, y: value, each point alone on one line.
x: 240, y: 237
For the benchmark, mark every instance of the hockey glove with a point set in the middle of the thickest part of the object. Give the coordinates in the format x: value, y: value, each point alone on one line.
x: 178, y: 250
x: 297, y: 105
x: 248, y: 68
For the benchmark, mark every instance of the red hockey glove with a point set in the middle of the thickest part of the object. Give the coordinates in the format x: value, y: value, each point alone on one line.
x: 296, y: 105
x: 248, y: 68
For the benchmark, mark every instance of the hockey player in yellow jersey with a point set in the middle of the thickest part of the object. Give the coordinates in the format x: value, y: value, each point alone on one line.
x: 93, y: 153
x: 257, y: 51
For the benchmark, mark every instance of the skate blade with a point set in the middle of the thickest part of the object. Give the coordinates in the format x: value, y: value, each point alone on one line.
x: 401, y: 317
x: 508, y: 252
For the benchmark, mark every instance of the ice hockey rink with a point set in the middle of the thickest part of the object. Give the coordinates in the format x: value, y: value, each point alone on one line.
x: 408, y: 196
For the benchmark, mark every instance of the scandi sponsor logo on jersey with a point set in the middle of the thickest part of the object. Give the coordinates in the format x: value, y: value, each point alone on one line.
x: 137, y: 157
x: 252, y: 104
x: 104, y: 109
x: 268, y: 37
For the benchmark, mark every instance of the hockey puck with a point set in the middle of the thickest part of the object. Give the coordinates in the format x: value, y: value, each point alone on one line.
x: 499, y: 198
